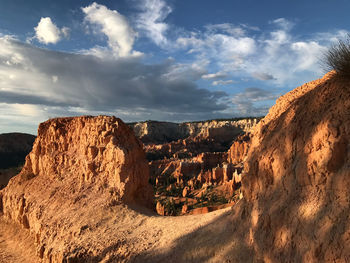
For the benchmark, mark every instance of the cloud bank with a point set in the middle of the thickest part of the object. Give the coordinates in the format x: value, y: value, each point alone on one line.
x: 85, y: 83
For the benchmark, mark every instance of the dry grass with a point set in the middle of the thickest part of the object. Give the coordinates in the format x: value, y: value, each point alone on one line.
x: 337, y: 58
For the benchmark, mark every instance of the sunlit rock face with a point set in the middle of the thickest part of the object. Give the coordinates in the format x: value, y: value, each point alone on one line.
x: 79, y: 168
x: 296, y: 185
x: 239, y: 149
x: 153, y: 132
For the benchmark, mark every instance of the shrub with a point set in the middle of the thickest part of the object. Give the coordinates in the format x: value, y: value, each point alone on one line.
x: 338, y: 58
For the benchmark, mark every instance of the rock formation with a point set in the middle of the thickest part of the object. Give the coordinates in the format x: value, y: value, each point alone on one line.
x: 239, y: 149
x: 297, y: 182
x: 78, y: 170
x: 204, y: 180
x: 296, y: 187
x: 154, y: 132
x: 202, y: 159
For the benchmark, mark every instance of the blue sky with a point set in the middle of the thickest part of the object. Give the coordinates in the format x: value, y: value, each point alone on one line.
x: 156, y: 59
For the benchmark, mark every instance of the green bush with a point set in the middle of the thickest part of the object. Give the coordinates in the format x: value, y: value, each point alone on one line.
x: 338, y: 58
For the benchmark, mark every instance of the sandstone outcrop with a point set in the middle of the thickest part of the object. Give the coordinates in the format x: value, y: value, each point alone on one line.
x: 78, y: 170
x: 297, y: 182
x: 239, y: 149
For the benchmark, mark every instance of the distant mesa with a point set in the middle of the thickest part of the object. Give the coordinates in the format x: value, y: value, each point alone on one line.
x: 220, y: 130
x: 14, y: 147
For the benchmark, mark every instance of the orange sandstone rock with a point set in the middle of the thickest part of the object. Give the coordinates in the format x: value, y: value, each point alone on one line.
x: 78, y: 168
x: 297, y: 182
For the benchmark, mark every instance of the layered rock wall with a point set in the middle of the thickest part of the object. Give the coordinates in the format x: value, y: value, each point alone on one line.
x: 163, y: 132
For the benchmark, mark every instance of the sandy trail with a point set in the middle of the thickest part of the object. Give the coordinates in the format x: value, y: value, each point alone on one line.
x: 144, y: 234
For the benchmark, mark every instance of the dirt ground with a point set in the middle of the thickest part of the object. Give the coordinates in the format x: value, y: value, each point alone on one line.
x: 146, y: 236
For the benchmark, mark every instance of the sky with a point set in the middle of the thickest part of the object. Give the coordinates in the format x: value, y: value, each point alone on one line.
x: 166, y: 60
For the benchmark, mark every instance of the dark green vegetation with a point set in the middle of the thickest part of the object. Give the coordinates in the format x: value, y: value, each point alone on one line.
x: 337, y: 58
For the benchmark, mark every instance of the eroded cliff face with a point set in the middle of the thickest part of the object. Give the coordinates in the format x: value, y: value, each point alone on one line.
x: 297, y: 182
x: 239, y: 149
x: 152, y: 132
x: 78, y: 170
x: 195, y: 164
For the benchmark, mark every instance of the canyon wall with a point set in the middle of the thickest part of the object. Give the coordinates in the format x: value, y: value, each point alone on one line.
x: 153, y: 132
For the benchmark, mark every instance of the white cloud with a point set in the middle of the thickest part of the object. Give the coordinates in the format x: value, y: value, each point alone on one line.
x: 283, y: 23
x: 115, y: 26
x: 244, y: 102
x: 65, y: 31
x: 48, y: 33
x: 151, y: 20
x: 226, y: 51
x: 217, y: 75
x: 227, y: 28
x: 278, y: 55
x: 190, y: 41
x: 222, y: 82
x: 54, y: 79
x: 262, y: 76
x: 307, y: 54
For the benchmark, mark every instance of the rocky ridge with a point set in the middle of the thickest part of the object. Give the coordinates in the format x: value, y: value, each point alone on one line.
x: 154, y: 132
x: 297, y: 183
